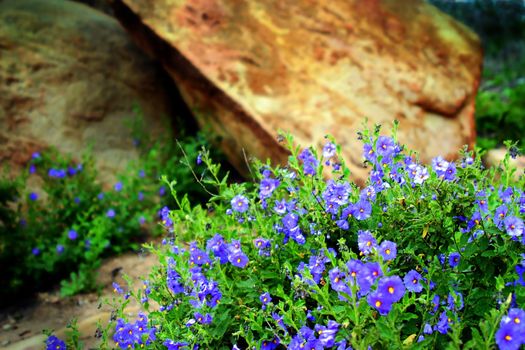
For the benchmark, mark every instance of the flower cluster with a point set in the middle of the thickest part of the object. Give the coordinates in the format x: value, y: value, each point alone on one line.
x: 421, y: 253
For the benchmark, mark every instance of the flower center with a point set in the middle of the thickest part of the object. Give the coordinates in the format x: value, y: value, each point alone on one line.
x: 391, y: 290
x: 387, y: 251
x: 508, y: 338
x: 378, y: 303
x: 517, y: 320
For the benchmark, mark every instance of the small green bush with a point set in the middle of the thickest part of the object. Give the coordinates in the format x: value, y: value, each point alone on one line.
x: 63, y: 230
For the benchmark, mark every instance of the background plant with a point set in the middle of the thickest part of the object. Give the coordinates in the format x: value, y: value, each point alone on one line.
x: 61, y: 231
x: 421, y: 257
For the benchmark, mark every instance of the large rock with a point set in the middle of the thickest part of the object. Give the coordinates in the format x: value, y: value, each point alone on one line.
x: 69, y: 77
x: 250, y: 68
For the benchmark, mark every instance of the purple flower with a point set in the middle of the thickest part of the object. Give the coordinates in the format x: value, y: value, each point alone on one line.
x: 309, y: 162
x: 238, y: 259
x: 56, y: 173
x: 32, y: 169
x: 60, y: 249
x: 172, y: 345
x: 197, y: 256
x: 279, y: 320
x: 506, y: 195
x: 453, y: 259
x: 366, y: 242
x: 509, y: 337
x: 239, y: 203
x: 443, y: 324
x: 263, y: 245
x: 329, y: 150
x: 54, y: 343
x: 412, y: 281
x: 219, y: 248
x: 110, y: 213
x: 33, y: 196
x: 267, y: 186
x: 142, y: 173
x: 198, y: 161
x: 35, y: 251
x: 118, y: 186
x: 117, y: 288
x: 337, y: 281
x: 362, y: 210
x: 388, y: 250
x: 499, y: 215
x: 162, y: 191
x: 327, y: 333
x: 513, y: 226
x: 72, y: 235
x: 35, y: 155
x: 280, y: 207
x: 380, y: 302
x: 385, y: 146
x: 391, y: 287
x: 202, y: 319
x: 265, y: 298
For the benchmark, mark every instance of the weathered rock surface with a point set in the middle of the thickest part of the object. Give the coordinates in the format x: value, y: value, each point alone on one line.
x: 250, y: 68
x: 69, y: 77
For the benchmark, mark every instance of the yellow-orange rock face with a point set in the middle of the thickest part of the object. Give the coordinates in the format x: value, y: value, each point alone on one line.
x: 315, y: 67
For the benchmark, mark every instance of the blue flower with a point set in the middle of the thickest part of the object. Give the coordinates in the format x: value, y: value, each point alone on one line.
x: 453, y: 259
x: 263, y: 245
x: 239, y: 203
x: 380, y: 302
x: 513, y: 226
x: 60, y: 248
x: 54, y: 343
x: 265, y: 299
x: 392, y: 288
x: 362, y: 210
x: 72, y: 235
x: 309, y: 162
x: 366, y: 242
x: 499, y: 215
x: 388, y: 250
x: 118, y: 186
x: 443, y: 324
x: 33, y: 196
x: 202, y: 319
x: 412, y: 281
x: 327, y: 333
x: 35, y: 251
x: 267, y: 186
x: 385, y: 146
x: 329, y: 150
x: 218, y: 246
x: 110, y: 213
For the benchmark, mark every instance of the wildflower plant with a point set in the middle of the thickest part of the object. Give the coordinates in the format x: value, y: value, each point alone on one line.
x: 62, y: 231
x: 424, y: 256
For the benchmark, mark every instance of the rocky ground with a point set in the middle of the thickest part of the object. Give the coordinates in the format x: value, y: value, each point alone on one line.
x: 21, y: 325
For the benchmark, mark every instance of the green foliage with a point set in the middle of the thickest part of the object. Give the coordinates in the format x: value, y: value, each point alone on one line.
x: 332, y: 257
x: 500, y: 112
x: 63, y: 230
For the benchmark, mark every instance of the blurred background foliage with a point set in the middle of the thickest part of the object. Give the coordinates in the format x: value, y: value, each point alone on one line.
x: 500, y: 105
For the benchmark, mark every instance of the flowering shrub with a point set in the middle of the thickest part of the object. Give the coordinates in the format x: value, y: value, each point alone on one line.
x: 68, y: 226
x: 422, y: 257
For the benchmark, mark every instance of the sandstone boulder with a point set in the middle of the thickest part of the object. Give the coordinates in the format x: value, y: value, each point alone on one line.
x: 69, y: 77
x: 250, y: 68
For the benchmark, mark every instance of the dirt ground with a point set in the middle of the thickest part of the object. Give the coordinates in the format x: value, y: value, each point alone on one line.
x: 21, y: 326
